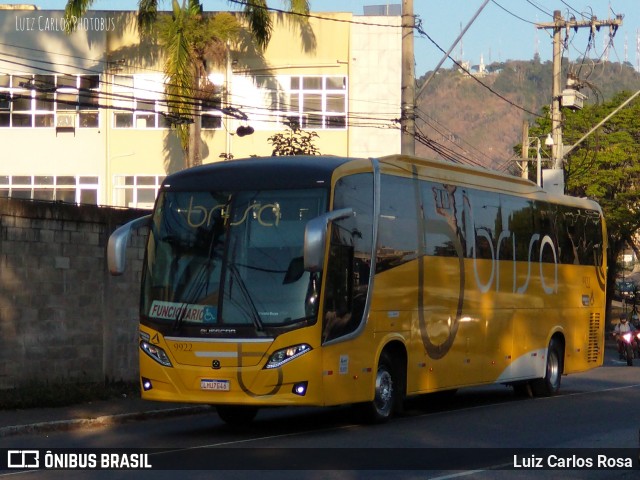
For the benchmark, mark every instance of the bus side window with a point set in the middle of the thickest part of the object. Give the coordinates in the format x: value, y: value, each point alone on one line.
x: 339, y: 319
x: 349, y: 262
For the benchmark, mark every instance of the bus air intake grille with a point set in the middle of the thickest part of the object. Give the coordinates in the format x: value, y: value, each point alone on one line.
x: 593, y: 351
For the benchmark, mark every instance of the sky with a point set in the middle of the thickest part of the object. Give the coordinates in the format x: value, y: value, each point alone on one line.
x: 503, y: 30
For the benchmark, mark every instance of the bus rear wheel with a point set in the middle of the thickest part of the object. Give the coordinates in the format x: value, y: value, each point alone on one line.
x: 237, y: 414
x: 550, y: 384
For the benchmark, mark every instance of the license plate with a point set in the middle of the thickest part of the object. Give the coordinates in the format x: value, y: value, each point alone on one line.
x: 216, y: 385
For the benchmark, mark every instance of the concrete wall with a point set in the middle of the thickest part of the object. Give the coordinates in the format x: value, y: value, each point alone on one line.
x: 63, y: 318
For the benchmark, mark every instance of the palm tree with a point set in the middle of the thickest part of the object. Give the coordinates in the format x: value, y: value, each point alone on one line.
x: 189, y: 38
x: 255, y: 11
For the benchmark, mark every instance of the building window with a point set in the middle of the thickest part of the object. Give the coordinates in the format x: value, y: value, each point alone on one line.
x: 68, y: 189
x: 317, y: 102
x: 136, y: 191
x: 139, y: 101
x: 49, y: 101
x: 211, y: 114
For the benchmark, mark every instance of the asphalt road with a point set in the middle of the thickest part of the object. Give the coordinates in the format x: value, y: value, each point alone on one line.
x: 473, y: 434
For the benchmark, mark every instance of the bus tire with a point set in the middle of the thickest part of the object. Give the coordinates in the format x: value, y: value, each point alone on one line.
x: 237, y: 414
x: 387, y: 391
x: 549, y: 385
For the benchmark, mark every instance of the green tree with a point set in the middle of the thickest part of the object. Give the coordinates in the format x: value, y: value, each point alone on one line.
x: 189, y: 39
x: 606, y: 168
x: 255, y: 11
x: 294, y: 142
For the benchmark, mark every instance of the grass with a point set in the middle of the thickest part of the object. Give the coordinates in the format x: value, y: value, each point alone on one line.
x: 59, y: 394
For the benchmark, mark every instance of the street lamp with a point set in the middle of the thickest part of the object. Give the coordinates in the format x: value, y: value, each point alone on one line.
x: 549, y: 141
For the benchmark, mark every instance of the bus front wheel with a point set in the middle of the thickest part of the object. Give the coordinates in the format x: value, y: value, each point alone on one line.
x: 386, y: 392
x: 550, y: 384
x: 237, y: 414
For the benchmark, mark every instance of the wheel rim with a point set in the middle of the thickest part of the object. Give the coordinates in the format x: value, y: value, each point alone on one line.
x: 553, y: 370
x: 384, y: 393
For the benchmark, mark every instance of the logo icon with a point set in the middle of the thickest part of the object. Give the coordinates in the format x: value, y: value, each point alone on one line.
x: 23, y: 459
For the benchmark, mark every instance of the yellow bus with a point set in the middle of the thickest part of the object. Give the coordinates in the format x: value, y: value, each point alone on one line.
x: 318, y: 281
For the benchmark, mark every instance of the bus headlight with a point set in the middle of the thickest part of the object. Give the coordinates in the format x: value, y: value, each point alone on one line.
x: 285, y: 355
x: 155, y: 352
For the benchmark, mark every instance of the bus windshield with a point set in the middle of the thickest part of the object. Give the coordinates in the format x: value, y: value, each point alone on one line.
x: 226, y: 262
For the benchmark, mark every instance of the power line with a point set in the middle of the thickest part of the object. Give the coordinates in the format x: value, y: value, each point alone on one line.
x: 444, y: 151
x: 259, y: 114
x: 315, y: 16
x: 533, y: 4
x: 188, y: 101
x: 502, y: 97
x: 178, y: 100
x: 421, y: 116
x: 573, y: 9
x: 511, y: 13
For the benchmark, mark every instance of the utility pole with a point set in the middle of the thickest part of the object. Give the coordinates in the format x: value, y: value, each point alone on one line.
x: 559, y: 25
x: 407, y: 115
x: 525, y: 150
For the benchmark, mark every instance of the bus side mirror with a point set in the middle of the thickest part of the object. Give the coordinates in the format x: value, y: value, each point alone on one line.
x: 315, y: 234
x: 117, y: 246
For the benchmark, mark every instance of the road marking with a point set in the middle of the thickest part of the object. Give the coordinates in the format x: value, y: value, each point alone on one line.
x: 470, y: 472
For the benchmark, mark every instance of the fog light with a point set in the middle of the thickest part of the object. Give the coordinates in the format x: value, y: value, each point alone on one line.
x: 146, y: 384
x: 300, y: 388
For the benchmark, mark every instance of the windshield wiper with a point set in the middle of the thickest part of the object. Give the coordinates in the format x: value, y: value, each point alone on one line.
x: 255, y: 316
x: 180, y: 316
x: 201, y: 281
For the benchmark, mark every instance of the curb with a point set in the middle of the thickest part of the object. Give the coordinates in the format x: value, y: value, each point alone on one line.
x: 101, y: 421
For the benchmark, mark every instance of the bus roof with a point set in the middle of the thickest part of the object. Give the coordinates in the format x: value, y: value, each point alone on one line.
x: 486, y: 179
x: 251, y: 173
x: 308, y: 171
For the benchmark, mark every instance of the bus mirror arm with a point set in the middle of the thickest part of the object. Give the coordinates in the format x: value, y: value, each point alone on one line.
x: 117, y: 245
x: 315, y: 235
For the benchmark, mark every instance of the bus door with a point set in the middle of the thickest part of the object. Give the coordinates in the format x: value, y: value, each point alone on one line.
x: 346, y: 352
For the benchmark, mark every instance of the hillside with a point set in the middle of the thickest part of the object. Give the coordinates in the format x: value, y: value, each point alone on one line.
x: 466, y: 117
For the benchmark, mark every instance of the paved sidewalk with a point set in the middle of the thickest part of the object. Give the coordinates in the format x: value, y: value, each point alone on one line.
x: 92, y: 414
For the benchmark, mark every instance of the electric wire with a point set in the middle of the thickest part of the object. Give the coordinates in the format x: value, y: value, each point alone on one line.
x: 429, y: 121
x: 361, y: 119
x: 351, y: 115
x: 513, y: 14
x: 573, y: 9
x: 259, y: 114
x: 474, y: 77
x: 316, y: 16
x: 418, y: 29
x: 533, y: 4
x: 185, y: 101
